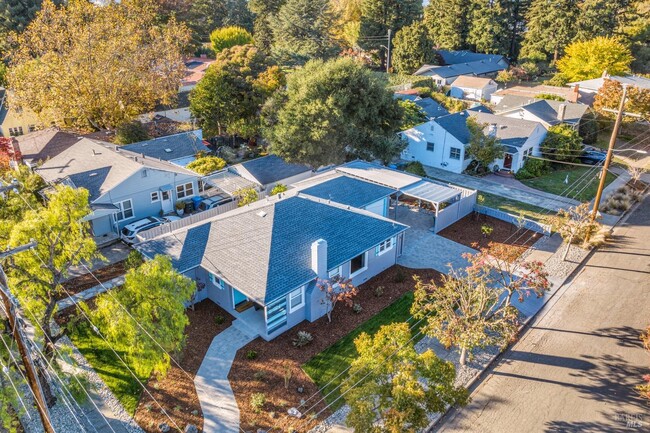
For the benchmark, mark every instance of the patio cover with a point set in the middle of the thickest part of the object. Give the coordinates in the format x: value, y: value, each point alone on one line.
x: 431, y: 192
x: 229, y: 182
x: 378, y: 174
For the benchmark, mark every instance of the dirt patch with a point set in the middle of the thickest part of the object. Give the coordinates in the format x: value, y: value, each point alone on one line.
x: 266, y: 373
x: 86, y: 281
x: 468, y: 231
x: 175, y: 392
x: 638, y: 185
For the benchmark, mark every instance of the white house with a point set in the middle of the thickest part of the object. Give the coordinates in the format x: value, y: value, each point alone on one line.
x: 544, y: 111
x: 441, y: 142
x: 473, y: 88
x: 457, y: 63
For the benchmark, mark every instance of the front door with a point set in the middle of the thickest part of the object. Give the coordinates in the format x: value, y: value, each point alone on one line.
x: 240, y: 302
x: 166, y: 201
x: 507, y: 161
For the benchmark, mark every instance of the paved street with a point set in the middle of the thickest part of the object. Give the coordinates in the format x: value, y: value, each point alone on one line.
x: 575, y: 368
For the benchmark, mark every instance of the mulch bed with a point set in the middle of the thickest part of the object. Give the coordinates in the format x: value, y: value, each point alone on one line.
x: 275, y: 358
x: 467, y: 231
x: 86, y: 281
x: 175, y: 392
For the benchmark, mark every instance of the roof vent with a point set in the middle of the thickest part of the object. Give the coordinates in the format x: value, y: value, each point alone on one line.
x: 92, y: 174
x: 261, y: 214
x: 168, y: 150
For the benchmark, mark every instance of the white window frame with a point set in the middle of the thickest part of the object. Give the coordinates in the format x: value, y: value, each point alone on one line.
x: 365, y: 265
x: 120, y: 205
x: 335, y: 272
x: 155, y: 194
x: 185, y: 188
x: 385, y: 246
x: 298, y: 292
x: 217, y: 281
x: 460, y: 151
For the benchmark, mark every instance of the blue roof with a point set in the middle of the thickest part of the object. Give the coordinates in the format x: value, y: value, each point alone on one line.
x: 271, y: 168
x: 349, y: 191
x: 169, y: 147
x: 455, y: 57
x: 431, y: 107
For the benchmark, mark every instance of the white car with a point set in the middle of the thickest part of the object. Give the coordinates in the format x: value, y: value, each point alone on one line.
x: 130, y: 231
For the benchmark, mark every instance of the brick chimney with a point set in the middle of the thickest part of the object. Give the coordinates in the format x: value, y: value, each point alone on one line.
x: 575, y: 94
x: 561, y: 112
x: 319, y: 258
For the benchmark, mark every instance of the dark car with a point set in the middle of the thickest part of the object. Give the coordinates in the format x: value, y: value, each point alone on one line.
x: 593, y: 157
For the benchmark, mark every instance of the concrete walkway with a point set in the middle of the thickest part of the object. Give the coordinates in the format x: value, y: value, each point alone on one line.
x: 510, y: 190
x: 90, y: 293
x: 218, y: 404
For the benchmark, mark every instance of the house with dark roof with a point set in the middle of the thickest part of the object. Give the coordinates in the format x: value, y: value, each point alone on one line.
x: 123, y: 186
x: 271, y: 170
x: 441, y: 142
x: 457, y: 63
x: 179, y: 149
x: 545, y: 111
x: 428, y: 105
x: 262, y: 263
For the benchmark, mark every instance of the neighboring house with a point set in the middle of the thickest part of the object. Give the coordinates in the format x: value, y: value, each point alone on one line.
x: 594, y: 85
x: 14, y: 123
x: 38, y: 146
x: 270, y: 170
x: 547, y: 112
x: 123, y: 186
x: 195, y: 70
x: 179, y: 149
x: 473, y: 88
x: 261, y: 263
x: 531, y: 93
x: 441, y: 142
x: 457, y: 63
x: 429, y: 106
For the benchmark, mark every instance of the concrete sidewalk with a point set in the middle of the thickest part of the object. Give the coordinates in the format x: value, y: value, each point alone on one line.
x: 89, y: 293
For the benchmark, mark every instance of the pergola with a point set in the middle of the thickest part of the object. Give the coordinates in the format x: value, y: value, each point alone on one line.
x: 431, y: 192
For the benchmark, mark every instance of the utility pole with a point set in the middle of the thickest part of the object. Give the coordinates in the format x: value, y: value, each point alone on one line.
x: 388, y: 49
x: 610, y: 151
x: 9, y: 307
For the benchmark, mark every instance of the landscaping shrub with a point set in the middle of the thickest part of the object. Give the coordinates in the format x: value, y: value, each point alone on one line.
x: 357, y: 308
x: 416, y: 168
x: 486, y: 230
x: 302, y: 339
x: 400, y: 277
x: 251, y: 354
x: 620, y: 201
x: 246, y: 196
x: 219, y: 319
x: 277, y: 189
x: 260, y: 376
x: 379, y: 291
x: 133, y: 260
x: 533, y: 168
x: 257, y: 401
x: 207, y: 164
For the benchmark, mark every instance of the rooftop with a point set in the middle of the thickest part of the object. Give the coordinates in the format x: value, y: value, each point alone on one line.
x: 544, y: 109
x: 479, y: 67
x: 472, y: 82
x: 596, y: 83
x: 349, y: 191
x: 44, y: 144
x: 270, y: 169
x: 431, y: 107
x: 170, y: 147
x: 455, y: 57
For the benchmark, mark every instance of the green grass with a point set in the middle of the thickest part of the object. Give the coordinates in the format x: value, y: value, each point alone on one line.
x: 553, y: 183
x: 513, y: 207
x: 329, y: 363
x: 108, y: 366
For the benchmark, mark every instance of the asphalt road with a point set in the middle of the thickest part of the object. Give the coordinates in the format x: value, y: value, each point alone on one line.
x: 575, y: 368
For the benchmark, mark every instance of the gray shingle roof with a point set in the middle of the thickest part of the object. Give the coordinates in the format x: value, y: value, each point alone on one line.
x: 169, y: 147
x: 479, y: 67
x: 547, y: 111
x: 266, y: 252
x: 271, y: 168
x: 349, y: 191
x: 455, y: 57
x: 431, y: 108
x: 47, y: 143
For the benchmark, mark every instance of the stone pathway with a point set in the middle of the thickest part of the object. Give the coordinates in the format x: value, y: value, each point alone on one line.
x: 426, y: 250
x: 218, y: 404
x: 90, y: 293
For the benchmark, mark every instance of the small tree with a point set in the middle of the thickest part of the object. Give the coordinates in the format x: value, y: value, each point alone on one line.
x: 464, y: 312
x: 207, y: 164
x: 484, y: 148
x: 131, y: 132
x: 562, y: 143
x: 277, y: 189
x: 504, y: 77
x: 228, y: 37
x: 574, y: 225
x: 155, y: 295
x: 398, y: 388
x: 387, y: 148
x: 336, y: 289
x: 246, y: 196
x: 8, y: 152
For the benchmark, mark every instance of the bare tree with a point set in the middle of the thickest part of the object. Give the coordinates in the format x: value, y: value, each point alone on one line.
x: 337, y: 289
x: 574, y: 225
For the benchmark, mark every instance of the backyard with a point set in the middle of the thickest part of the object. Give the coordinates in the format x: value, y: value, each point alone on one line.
x: 560, y: 181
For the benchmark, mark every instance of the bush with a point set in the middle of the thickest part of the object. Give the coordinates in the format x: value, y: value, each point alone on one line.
x: 400, y: 277
x: 277, y: 189
x: 357, y: 308
x: 246, y: 196
x: 131, y: 132
x: 228, y: 37
x: 258, y: 400
x: 302, y: 339
x: 251, y: 354
x: 486, y: 230
x: 533, y: 168
x: 207, y: 164
x: 219, y: 319
x: 620, y: 201
x: 416, y: 168
x: 133, y: 260
x: 260, y: 376
x: 379, y: 291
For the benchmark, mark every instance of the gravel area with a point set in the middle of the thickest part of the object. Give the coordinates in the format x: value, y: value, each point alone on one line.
x: 560, y: 269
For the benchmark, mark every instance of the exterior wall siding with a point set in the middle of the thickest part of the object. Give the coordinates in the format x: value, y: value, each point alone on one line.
x: 442, y: 143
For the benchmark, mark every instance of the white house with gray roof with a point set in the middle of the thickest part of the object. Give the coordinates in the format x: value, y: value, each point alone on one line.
x: 179, y: 149
x: 123, y: 186
x: 457, y: 63
x: 268, y: 171
x: 441, y: 142
x: 545, y: 111
x: 262, y: 262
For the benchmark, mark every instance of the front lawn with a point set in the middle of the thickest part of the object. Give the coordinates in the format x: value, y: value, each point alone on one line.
x: 554, y: 182
x: 513, y: 207
x: 325, y: 366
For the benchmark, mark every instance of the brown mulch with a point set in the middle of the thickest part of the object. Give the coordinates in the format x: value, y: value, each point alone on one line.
x: 86, y: 281
x: 278, y: 356
x: 175, y: 392
x: 638, y: 185
x: 467, y: 231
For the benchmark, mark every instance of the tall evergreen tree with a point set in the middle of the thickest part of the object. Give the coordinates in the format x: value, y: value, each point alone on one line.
x: 598, y: 18
x: 551, y: 27
x: 378, y: 16
x: 412, y: 48
x: 489, y: 27
x: 264, y: 10
x: 206, y: 15
x: 448, y: 23
x: 302, y: 31
x: 517, y: 11
x: 16, y: 14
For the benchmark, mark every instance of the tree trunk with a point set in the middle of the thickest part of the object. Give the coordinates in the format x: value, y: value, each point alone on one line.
x: 463, y: 356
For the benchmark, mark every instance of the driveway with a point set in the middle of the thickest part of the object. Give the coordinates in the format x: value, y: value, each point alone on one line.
x: 575, y: 368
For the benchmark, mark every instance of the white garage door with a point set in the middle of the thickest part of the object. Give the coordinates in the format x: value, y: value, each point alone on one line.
x: 378, y: 207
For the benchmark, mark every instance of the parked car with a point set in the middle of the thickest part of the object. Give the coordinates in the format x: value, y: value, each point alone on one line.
x: 593, y: 157
x: 130, y: 231
x: 214, y: 201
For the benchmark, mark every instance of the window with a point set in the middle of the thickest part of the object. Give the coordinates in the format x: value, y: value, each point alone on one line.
x: 217, y: 281
x: 186, y: 190
x: 155, y: 196
x: 358, y: 264
x: 276, y: 315
x: 165, y: 195
x: 125, y: 210
x: 296, y: 299
x: 334, y: 273
x: 144, y: 173
x: 31, y: 128
x: 385, y: 246
x: 14, y: 132
x: 429, y: 146
x: 454, y: 153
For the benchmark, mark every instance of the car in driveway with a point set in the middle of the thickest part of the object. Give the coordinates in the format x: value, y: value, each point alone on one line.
x: 593, y: 157
x: 214, y: 201
x: 130, y: 231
